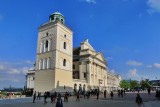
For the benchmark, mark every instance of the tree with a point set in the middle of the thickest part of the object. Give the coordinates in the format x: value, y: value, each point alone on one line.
x: 145, y: 84
x: 124, y: 84
x: 134, y: 84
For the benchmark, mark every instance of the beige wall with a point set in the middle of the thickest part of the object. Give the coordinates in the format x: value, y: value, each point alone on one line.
x: 44, y: 80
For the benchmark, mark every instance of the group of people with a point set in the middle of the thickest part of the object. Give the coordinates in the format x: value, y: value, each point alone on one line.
x: 121, y: 93
x: 54, y: 98
x: 158, y: 95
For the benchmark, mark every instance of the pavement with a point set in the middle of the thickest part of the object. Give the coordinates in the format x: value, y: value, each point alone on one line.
x: 127, y: 101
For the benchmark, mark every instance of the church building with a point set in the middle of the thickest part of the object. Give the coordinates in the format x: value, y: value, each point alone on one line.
x: 60, y: 67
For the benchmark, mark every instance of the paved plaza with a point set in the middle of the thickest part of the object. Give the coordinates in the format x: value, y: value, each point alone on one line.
x: 127, y: 101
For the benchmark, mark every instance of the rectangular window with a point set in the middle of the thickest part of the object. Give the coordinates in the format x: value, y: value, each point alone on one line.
x: 84, y: 75
x: 74, y: 66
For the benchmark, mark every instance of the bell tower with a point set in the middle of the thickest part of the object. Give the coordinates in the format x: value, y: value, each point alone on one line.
x: 54, y: 55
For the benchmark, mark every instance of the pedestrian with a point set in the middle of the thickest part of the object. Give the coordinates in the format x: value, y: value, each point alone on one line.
x: 111, y: 94
x: 119, y: 93
x: 122, y: 93
x: 105, y: 93
x: 59, y: 102
x: 139, y: 100
x: 45, y: 98
x: 34, y: 97
x: 97, y: 95
x: 157, y: 95
x: 77, y: 97
x: 66, y: 97
x: 37, y: 95
x: 52, y: 98
x: 149, y: 90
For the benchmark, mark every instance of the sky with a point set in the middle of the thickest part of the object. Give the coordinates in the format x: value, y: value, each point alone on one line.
x: 127, y: 32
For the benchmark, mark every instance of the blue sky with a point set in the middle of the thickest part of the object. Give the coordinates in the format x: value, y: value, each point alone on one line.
x: 126, y: 31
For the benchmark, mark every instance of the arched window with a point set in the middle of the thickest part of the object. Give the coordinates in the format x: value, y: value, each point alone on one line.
x: 44, y: 63
x: 48, y: 63
x: 64, y: 45
x: 62, y: 20
x: 47, y: 34
x: 46, y: 44
x: 64, y: 62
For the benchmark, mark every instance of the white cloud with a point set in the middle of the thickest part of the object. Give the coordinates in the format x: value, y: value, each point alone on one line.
x: 16, y: 67
x: 149, y: 66
x: 134, y: 63
x: 154, y: 6
x: 156, y: 65
x: 1, y: 67
x: 90, y: 1
x: 10, y: 79
x: 133, y: 74
x: 112, y: 71
x: 14, y: 71
x: 29, y: 62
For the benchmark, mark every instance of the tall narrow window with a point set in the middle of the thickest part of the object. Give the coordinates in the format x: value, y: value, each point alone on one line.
x: 46, y: 45
x: 64, y: 62
x: 44, y: 63
x: 73, y: 66
x: 64, y: 45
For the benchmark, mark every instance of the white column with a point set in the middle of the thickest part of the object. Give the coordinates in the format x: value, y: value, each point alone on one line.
x: 44, y: 46
x: 48, y: 63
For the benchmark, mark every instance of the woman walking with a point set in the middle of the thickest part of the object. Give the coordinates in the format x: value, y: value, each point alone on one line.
x: 59, y: 102
x: 139, y: 100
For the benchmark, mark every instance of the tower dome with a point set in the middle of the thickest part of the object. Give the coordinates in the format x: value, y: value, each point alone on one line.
x: 56, y: 17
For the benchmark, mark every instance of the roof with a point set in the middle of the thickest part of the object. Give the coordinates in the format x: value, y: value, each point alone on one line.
x: 56, y: 13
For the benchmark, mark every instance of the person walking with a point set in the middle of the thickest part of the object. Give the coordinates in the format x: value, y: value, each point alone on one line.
x: 77, y: 97
x: 105, y: 93
x: 139, y: 100
x: 97, y: 95
x: 157, y: 96
x: 111, y: 94
x: 121, y: 93
x: 34, y: 97
x: 39, y: 95
x: 59, y: 102
x: 45, y: 98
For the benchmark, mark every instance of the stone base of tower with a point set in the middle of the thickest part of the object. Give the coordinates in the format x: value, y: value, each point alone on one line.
x: 44, y: 80
x: 63, y: 80
x: 53, y: 80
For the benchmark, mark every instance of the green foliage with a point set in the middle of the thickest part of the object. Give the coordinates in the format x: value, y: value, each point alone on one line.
x: 124, y: 84
x: 145, y: 84
x: 134, y: 84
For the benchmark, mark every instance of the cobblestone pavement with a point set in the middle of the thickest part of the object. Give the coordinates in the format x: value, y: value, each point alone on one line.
x: 127, y: 101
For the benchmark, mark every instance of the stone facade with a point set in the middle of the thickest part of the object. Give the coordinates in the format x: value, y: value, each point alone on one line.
x: 60, y: 67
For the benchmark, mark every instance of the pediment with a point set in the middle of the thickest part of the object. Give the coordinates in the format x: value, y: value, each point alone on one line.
x: 100, y: 56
